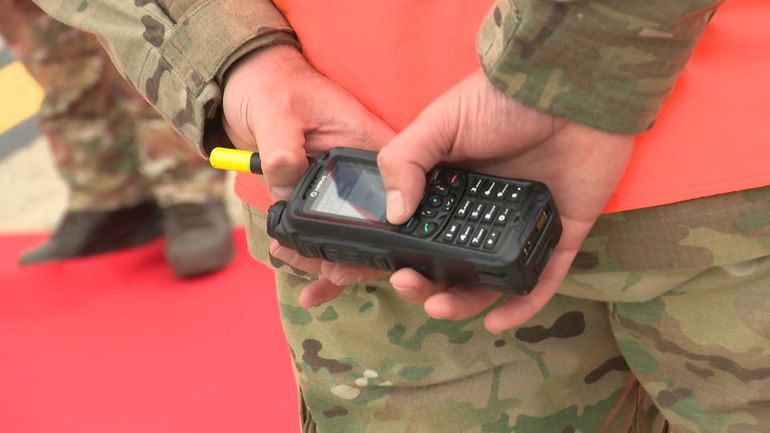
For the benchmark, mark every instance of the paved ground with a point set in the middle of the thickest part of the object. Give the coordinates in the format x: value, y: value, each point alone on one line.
x: 33, y: 197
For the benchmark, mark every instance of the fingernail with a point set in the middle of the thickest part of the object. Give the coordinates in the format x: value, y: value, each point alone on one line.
x: 437, y: 312
x: 274, y: 248
x: 396, y: 206
x: 440, y: 315
x: 281, y: 192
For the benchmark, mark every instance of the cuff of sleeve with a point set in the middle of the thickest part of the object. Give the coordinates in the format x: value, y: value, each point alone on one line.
x: 586, y: 63
x: 263, y: 41
x: 204, y: 38
x: 186, y: 70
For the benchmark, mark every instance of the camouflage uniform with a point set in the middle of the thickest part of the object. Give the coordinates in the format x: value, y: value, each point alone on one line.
x: 111, y: 147
x: 662, y: 322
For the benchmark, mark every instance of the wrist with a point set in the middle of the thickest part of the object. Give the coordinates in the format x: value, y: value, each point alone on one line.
x: 262, y: 61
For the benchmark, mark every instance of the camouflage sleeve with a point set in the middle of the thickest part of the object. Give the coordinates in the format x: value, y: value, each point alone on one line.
x: 175, y: 51
x: 608, y: 64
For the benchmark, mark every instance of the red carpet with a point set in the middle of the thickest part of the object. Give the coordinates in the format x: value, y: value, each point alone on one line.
x: 115, y: 344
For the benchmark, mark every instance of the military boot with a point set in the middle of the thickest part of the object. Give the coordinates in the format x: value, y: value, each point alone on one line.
x: 198, y: 238
x: 85, y: 233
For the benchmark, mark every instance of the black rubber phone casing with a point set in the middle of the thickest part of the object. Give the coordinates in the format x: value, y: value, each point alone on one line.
x: 470, y: 229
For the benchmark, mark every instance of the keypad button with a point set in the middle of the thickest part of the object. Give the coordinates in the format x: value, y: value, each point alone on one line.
x: 455, y: 179
x: 450, y: 201
x: 435, y: 201
x: 491, y: 213
x: 465, y: 235
x: 439, y: 189
x: 515, y: 194
x: 410, y: 225
x: 502, y: 191
x: 489, y: 188
x: 435, y: 176
x: 491, y: 241
x: 477, y: 212
x: 478, y: 237
x: 475, y: 186
x: 504, y: 216
x: 464, y: 208
x: 428, y: 212
x: 450, y: 234
x: 425, y: 229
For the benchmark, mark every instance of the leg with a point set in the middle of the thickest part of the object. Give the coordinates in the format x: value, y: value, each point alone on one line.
x: 702, y: 350
x: 191, y: 193
x: 88, y: 133
x: 110, y: 206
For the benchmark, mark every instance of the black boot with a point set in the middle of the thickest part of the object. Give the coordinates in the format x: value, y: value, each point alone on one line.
x: 92, y: 232
x: 198, y: 238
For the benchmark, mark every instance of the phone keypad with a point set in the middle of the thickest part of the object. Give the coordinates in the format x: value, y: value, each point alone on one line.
x: 465, y: 234
x: 475, y: 186
x: 425, y: 229
x: 491, y: 213
x: 464, y: 208
x: 451, y: 232
x: 504, y: 216
x: 428, y: 213
x: 444, y: 188
x: 469, y: 211
x: 480, y: 218
x: 477, y: 211
x: 489, y: 188
x: 491, y: 241
x: 478, y: 236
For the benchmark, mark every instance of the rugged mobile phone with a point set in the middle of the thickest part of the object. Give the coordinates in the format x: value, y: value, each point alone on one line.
x: 469, y: 229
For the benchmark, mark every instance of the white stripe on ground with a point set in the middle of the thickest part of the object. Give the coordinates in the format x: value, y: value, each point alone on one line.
x: 34, y: 196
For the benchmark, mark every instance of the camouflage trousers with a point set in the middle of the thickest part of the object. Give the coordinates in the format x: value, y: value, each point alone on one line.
x: 636, y: 340
x: 111, y: 147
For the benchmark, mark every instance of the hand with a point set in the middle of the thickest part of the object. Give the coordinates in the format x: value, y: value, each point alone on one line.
x: 275, y: 103
x: 475, y: 126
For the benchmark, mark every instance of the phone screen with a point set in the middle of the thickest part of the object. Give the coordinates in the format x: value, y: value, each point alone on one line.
x: 351, y: 190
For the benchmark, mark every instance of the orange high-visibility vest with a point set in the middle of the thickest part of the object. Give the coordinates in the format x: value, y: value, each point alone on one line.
x: 396, y: 56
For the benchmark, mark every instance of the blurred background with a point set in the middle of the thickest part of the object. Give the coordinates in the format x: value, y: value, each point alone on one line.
x: 34, y: 196
x: 120, y: 341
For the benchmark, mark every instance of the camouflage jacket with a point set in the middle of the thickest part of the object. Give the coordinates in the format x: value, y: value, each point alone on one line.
x: 605, y: 63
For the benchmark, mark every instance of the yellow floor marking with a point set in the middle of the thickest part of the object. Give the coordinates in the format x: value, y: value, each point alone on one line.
x: 20, y: 96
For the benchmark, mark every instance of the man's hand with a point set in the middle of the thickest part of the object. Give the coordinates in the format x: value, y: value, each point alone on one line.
x: 475, y: 126
x: 277, y: 104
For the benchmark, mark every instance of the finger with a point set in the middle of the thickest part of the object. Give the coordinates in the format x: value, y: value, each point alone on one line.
x: 340, y: 274
x: 376, y: 132
x: 413, y: 287
x: 457, y: 303
x: 281, y: 145
x: 519, y: 309
x: 318, y: 292
x: 294, y: 259
x: 362, y: 131
x: 404, y: 161
x: 343, y: 274
x: 238, y: 138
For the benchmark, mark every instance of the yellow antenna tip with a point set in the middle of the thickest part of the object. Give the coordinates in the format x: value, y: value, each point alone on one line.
x: 231, y: 159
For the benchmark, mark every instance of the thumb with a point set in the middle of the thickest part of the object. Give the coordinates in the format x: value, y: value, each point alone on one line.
x: 404, y: 161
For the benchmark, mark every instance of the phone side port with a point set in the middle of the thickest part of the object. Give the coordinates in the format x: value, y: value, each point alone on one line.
x: 542, y: 221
